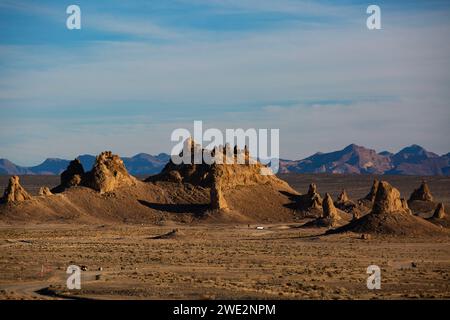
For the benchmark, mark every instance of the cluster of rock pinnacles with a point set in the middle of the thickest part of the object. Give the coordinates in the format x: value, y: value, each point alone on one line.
x: 109, y: 172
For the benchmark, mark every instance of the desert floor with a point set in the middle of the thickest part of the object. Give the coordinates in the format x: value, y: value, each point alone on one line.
x: 212, y: 261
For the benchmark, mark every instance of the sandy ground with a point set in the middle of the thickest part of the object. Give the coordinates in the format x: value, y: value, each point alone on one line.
x: 217, y: 262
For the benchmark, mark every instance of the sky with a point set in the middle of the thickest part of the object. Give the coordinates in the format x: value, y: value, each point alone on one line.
x: 139, y: 69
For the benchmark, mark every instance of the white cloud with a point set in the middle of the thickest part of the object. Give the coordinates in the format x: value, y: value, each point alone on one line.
x: 396, y: 80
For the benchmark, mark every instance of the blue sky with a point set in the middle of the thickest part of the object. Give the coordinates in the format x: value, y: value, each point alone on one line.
x: 139, y: 69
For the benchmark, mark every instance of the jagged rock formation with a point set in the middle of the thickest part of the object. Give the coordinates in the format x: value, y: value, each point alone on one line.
x: 387, y: 200
x: 45, y: 191
x: 422, y: 193
x: 227, y: 169
x: 108, y: 173
x: 344, y: 203
x: 421, y: 201
x: 73, y: 175
x: 14, y: 191
x: 390, y: 215
x: 311, y: 202
x: 330, y: 217
x: 343, y: 197
x: 439, y: 217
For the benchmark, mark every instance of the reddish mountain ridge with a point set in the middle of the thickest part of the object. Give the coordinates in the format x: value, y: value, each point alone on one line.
x: 412, y: 160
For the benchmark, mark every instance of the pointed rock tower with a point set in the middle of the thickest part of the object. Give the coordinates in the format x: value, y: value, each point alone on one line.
x: 390, y: 215
x: 439, y: 213
x: 387, y: 200
x: 14, y: 191
x: 422, y: 193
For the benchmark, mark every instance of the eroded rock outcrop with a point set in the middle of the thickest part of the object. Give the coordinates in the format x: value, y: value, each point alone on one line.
x: 221, y: 170
x: 390, y: 215
x: 15, y: 192
x: 422, y: 193
x: 108, y: 173
x: 344, y: 203
x: 439, y: 213
x: 311, y: 201
x: 387, y: 200
x: 330, y: 217
x: 73, y: 175
x: 218, y: 201
x: 329, y: 210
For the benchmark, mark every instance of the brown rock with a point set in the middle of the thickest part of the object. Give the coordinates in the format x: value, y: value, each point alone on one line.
x: 439, y: 213
x: 387, y: 199
x: 14, y: 191
x: 108, y: 173
x: 72, y: 176
x: 405, y: 206
x: 218, y: 201
x: 329, y: 210
x: 45, y: 191
x: 373, y: 191
x: 356, y: 215
x: 366, y: 236
x: 422, y: 193
x: 343, y: 197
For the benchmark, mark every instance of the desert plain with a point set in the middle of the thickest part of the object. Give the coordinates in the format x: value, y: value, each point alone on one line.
x: 216, y: 260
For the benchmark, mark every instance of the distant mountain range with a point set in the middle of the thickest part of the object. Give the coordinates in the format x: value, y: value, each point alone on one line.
x: 412, y: 160
x: 140, y: 164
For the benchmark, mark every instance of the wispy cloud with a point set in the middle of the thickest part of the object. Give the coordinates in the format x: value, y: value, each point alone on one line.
x: 324, y: 87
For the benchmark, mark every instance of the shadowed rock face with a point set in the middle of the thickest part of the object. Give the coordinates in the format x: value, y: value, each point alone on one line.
x: 387, y: 200
x: 422, y: 193
x: 72, y: 176
x: 373, y: 191
x: 232, y: 168
x: 108, y: 173
x: 14, y: 191
x: 439, y: 213
x: 310, y: 200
